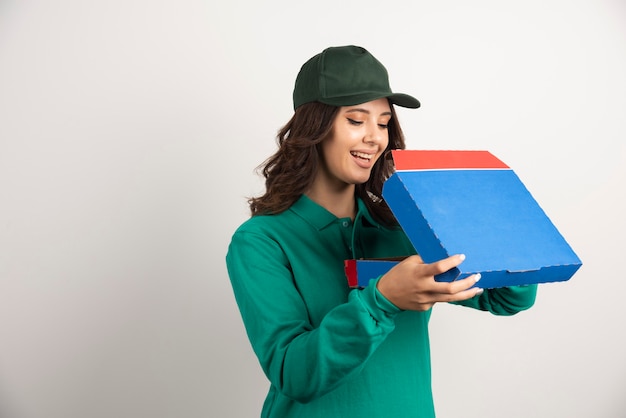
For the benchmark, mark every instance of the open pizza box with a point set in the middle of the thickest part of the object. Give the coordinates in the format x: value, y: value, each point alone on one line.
x: 470, y: 202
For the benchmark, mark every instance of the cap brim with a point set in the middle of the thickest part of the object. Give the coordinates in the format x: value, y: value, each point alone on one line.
x: 404, y: 100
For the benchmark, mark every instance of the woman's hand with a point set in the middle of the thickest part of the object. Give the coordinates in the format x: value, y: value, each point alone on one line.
x: 411, y: 284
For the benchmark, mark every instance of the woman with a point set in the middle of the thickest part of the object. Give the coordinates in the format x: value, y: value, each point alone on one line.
x: 328, y: 350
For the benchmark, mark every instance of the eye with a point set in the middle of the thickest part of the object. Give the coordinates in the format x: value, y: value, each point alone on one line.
x: 354, y: 122
x: 385, y: 124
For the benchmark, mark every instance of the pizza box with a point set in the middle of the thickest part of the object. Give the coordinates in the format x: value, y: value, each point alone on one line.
x: 470, y: 202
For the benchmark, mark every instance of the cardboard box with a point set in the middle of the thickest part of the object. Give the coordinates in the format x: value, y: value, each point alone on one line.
x: 470, y: 202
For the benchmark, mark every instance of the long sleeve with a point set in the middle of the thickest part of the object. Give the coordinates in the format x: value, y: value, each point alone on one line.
x: 505, y: 300
x: 302, y: 360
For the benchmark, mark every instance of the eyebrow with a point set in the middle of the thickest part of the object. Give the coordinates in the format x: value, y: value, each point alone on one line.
x: 358, y: 109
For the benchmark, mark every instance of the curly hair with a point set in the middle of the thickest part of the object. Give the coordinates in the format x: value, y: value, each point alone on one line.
x: 290, y: 172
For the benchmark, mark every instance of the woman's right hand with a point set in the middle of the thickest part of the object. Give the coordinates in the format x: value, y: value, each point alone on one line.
x: 411, y: 285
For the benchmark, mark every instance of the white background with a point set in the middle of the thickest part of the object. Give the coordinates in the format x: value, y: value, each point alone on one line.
x: 129, y: 134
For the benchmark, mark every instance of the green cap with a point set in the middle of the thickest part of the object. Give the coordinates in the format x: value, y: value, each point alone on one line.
x: 345, y: 76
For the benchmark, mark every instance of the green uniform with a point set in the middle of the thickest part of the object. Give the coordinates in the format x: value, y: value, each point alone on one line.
x: 328, y: 350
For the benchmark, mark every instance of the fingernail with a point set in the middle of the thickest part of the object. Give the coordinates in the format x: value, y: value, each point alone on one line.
x: 477, y: 277
x: 462, y: 257
x: 479, y: 291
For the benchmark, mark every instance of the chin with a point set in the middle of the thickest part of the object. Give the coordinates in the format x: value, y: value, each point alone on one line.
x: 358, y: 178
x: 360, y: 181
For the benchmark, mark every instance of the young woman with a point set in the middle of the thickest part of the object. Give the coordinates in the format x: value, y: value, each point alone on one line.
x: 328, y: 350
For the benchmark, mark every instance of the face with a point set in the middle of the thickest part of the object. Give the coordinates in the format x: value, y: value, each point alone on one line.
x: 358, y: 139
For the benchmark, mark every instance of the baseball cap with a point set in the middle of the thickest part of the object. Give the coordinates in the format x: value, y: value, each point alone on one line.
x: 346, y: 76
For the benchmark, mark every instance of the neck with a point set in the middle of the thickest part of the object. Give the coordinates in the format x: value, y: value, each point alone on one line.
x: 340, y: 202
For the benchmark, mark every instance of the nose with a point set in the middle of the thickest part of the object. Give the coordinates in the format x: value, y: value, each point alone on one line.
x: 374, y: 133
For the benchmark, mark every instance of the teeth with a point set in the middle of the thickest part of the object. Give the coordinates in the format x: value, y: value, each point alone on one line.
x: 362, y: 155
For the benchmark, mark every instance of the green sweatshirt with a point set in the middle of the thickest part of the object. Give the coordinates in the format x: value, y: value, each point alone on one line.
x: 328, y: 350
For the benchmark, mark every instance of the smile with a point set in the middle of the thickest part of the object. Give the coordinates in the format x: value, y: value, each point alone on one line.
x: 362, y: 155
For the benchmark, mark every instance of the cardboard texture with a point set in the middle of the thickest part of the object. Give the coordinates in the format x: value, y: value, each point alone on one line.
x: 470, y: 202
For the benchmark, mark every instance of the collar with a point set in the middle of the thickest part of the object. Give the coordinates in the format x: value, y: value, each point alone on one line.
x: 363, y: 213
x: 320, y: 218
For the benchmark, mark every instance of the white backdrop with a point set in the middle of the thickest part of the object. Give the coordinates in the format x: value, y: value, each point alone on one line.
x: 129, y: 134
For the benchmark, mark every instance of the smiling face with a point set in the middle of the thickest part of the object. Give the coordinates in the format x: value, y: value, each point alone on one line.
x: 359, y: 138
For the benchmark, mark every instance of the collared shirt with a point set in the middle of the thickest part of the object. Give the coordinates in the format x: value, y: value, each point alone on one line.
x: 328, y: 350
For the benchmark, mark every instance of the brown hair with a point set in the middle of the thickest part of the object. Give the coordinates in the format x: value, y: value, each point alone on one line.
x: 291, y: 170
